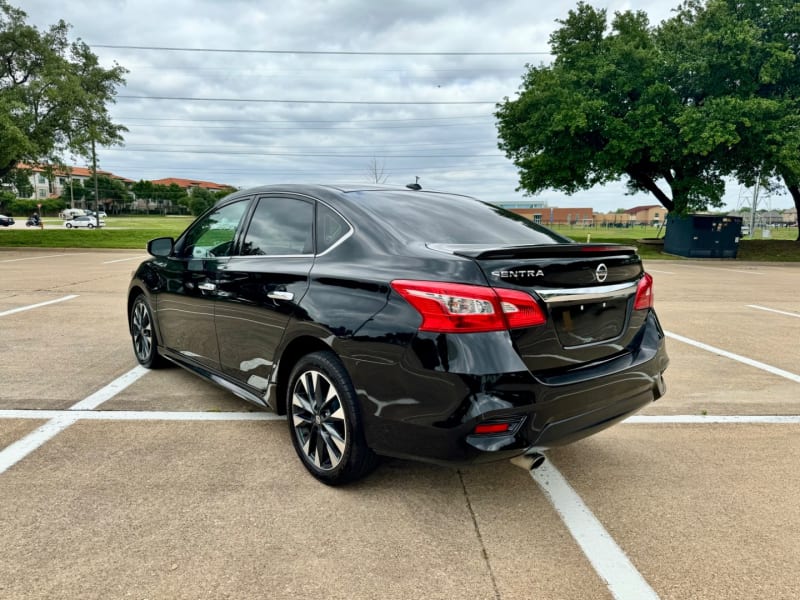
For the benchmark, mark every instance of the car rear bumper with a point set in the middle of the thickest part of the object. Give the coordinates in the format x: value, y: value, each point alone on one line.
x: 431, y: 415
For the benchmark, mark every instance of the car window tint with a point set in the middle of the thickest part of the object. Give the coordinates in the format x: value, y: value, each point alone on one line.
x: 213, y: 236
x: 330, y: 227
x: 449, y: 219
x: 280, y: 226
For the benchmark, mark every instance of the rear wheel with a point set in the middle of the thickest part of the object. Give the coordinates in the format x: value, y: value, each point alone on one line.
x: 69, y: 225
x: 91, y: 225
x: 325, y: 420
x: 143, y: 334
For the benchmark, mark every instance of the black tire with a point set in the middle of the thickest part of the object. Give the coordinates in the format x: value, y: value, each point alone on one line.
x: 143, y: 334
x: 69, y: 225
x: 325, y: 421
x: 91, y: 225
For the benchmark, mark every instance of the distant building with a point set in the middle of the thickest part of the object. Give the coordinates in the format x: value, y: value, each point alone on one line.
x: 552, y: 215
x: 512, y: 204
x: 50, y: 182
x: 652, y: 214
x: 191, y: 184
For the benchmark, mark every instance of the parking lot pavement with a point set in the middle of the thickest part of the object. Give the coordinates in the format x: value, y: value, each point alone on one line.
x: 702, y: 511
x: 178, y: 390
x: 187, y: 508
x: 12, y: 430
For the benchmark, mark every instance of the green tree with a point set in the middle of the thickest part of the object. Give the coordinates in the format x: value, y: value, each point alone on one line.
x: 74, y: 191
x: 54, y: 95
x: 743, y: 55
x: 607, y: 109
x: 19, y: 179
x: 200, y: 201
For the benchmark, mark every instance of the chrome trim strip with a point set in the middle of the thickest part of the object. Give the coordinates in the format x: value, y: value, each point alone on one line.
x: 588, y: 294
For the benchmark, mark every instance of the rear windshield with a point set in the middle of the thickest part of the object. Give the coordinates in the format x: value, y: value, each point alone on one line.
x: 445, y: 219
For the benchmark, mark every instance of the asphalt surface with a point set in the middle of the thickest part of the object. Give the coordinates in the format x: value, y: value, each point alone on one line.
x: 197, y: 494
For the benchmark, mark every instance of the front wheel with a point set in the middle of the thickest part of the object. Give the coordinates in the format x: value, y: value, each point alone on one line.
x: 325, y: 420
x: 69, y: 225
x: 143, y: 334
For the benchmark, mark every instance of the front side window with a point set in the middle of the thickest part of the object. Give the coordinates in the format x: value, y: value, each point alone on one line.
x: 280, y: 227
x: 215, y: 234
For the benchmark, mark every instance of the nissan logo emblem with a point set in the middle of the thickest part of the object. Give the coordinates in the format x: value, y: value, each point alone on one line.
x: 601, y: 273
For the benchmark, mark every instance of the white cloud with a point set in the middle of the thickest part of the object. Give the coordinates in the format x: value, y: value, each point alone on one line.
x: 452, y: 147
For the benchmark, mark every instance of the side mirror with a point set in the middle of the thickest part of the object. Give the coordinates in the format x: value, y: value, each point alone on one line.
x: 161, y: 246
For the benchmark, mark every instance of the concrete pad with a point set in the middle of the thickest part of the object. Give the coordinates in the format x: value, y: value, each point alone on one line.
x: 529, y: 549
x: 13, y: 430
x: 700, y: 382
x: 736, y: 328
x: 703, y: 512
x: 189, y: 510
x: 57, y: 355
x: 177, y: 389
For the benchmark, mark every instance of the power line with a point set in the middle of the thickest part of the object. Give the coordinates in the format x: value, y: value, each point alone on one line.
x: 474, y: 116
x: 329, y: 128
x: 277, y: 101
x: 314, y: 52
x: 320, y: 154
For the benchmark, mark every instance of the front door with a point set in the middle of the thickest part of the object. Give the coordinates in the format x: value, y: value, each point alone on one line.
x: 185, y: 307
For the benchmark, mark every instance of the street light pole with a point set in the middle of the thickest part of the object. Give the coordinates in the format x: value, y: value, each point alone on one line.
x: 96, y: 195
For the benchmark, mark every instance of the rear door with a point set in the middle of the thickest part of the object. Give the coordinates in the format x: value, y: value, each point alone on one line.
x: 260, y: 288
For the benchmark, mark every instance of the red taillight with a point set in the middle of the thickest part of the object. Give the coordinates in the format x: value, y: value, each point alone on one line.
x: 644, y: 293
x: 484, y: 428
x: 460, y: 308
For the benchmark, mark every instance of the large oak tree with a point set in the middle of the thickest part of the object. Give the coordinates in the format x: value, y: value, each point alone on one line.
x: 54, y: 94
x: 671, y: 109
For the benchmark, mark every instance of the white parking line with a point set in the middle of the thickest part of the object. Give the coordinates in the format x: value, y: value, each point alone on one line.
x: 5, y: 313
x: 608, y: 559
x: 742, y: 271
x: 660, y: 272
x: 8, y: 260
x: 140, y: 415
x: 773, y: 310
x: 111, y: 262
x: 14, y: 453
x: 714, y: 419
x: 742, y: 359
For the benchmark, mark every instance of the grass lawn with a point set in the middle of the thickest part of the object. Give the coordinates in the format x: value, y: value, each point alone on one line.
x: 135, y: 232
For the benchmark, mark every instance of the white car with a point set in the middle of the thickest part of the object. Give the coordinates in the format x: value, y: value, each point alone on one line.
x: 84, y: 221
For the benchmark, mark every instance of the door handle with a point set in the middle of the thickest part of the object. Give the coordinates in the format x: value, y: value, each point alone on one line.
x: 280, y: 295
x: 207, y: 287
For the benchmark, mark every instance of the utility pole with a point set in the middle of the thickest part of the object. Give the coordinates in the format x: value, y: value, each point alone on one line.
x: 755, y: 205
x: 96, y: 195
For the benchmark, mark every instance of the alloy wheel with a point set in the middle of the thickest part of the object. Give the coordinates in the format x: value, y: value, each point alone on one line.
x: 142, y: 331
x: 319, y: 420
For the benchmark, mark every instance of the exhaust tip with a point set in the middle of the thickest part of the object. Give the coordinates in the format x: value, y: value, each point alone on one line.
x: 529, y: 462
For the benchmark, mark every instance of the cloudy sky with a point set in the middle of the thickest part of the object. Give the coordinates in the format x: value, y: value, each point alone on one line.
x: 321, y: 91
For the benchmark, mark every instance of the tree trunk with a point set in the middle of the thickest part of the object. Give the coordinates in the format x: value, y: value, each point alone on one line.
x: 649, y: 184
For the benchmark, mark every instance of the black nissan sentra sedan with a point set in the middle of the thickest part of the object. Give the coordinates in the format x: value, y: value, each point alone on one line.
x: 404, y: 323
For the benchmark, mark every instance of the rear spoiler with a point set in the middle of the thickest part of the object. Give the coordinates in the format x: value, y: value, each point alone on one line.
x: 483, y: 251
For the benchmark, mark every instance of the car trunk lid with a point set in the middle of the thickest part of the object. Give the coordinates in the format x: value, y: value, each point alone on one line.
x: 587, y: 291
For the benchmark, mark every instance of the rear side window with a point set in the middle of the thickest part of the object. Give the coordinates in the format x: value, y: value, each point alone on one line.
x: 445, y: 219
x: 330, y: 228
x: 280, y: 226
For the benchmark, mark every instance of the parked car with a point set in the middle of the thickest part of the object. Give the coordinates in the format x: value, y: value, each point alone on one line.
x: 402, y: 323
x: 6, y: 221
x: 83, y: 221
